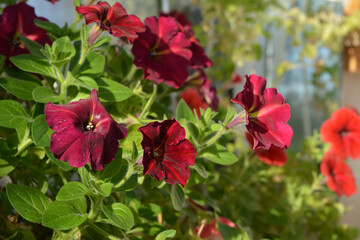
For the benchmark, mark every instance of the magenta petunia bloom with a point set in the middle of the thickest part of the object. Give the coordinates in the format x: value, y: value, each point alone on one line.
x: 112, y: 19
x: 162, y: 51
x: 266, y: 113
x: 18, y: 20
x: 83, y: 132
x: 199, y: 58
x: 167, y: 154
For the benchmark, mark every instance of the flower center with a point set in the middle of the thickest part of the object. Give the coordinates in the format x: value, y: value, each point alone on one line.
x: 343, y: 132
x: 89, y: 127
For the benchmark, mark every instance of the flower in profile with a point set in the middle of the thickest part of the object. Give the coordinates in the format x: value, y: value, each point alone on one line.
x: 266, y: 114
x: 274, y: 156
x: 112, y: 19
x: 162, y: 52
x: 208, y: 231
x: 167, y: 154
x: 340, y: 178
x: 199, y: 58
x: 18, y: 20
x: 342, y: 131
x: 84, y: 132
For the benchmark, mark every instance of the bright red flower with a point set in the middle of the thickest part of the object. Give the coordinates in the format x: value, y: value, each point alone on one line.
x: 112, y: 19
x: 167, y: 154
x: 200, y: 94
x: 236, y: 78
x: 162, y: 52
x: 84, y: 132
x: 193, y: 99
x: 266, y: 113
x: 340, y: 178
x: 275, y: 156
x: 209, y: 232
x: 342, y: 131
x: 199, y: 58
x: 18, y: 20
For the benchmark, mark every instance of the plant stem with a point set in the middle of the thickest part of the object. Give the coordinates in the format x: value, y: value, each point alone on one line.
x: 149, y: 103
x: 102, y: 232
x: 22, y: 147
x: 214, y: 138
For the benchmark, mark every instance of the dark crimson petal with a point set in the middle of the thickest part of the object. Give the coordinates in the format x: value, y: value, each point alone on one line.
x: 183, y: 152
x: 155, y: 169
x: 199, y: 58
x: 87, y: 148
x: 193, y: 99
x: 175, y: 172
x: 9, y: 21
x: 175, y: 132
x: 66, y: 123
x: 111, y: 142
x: 94, y: 13
x: 127, y: 26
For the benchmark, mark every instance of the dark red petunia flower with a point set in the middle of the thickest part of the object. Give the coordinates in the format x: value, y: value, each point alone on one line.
x: 342, y: 131
x: 162, y: 52
x: 167, y: 154
x: 340, y: 178
x: 208, y: 231
x: 112, y: 19
x: 18, y: 20
x: 199, y: 58
x: 266, y: 113
x: 275, y: 156
x: 84, y: 132
x: 236, y: 78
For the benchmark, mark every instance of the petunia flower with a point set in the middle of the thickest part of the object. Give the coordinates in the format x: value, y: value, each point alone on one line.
x: 162, y: 51
x: 199, y: 58
x: 53, y: 1
x: 112, y: 19
x: 167, y: 154
x: 274, y: 156
x: 208, y: 231
x: 18, y: 20
x: 340, y: 178
x: 84, y: 132
x: 342, y: 131
x: 200, y: 93
x: 266, y: 114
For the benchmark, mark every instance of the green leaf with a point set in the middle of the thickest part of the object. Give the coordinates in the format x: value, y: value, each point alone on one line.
x: 135, y: 152
x: 88, y: 83
x: 31, y: 203
x: 183, y: 111
x: 201, y: 170
x: 119, y: 215
x: 218, y: 154
x: 112, y: 169
x: 129, y: 184
x: 63, y: 51
x: 165, y: 235
x: 12, y: 114
x: 121, y: 174
x: 72, y: 191
x: 93, y: 65
x: 32, y: 46
x: 63, y: 215
x: 40, y: 131
x: 49, y: 27
x: 7, y: 165
x: 230, y: 233
x: 19, y: 88
x: 106, y: 189
x: 177, y: 196
x: 34, y: 64
x: 45, y: 95
x: 194, y: 131
x: 64, y: 165
x: 111, y: 91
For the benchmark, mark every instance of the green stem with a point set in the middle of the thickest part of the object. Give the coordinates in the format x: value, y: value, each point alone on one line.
x: 102, y: 232
x: 149, y: 103
x: 214, y: 138
x: 22, y: 147
x: 59, y: 171
x: 70, y: 234
x: 131, y: 73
